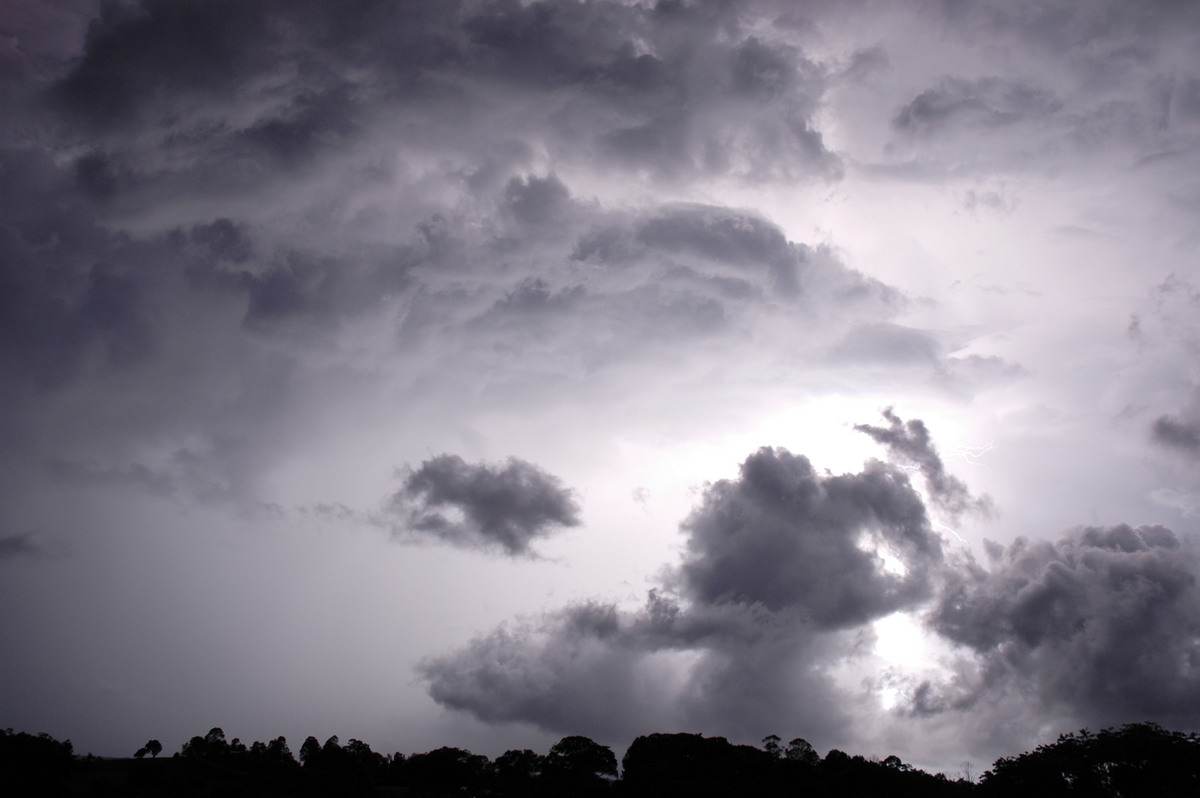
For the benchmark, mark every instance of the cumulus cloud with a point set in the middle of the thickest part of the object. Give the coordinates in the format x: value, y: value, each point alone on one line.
x: 609, y: 673
x: 787, y: 538
x: 781, y: 569
x: 504, y: 507
x: 1102, y: 622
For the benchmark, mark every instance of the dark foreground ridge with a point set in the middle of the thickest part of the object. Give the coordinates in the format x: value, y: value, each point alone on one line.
x: 1140, y: 759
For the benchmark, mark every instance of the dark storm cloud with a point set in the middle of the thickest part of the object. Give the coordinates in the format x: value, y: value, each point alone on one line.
x: 138, y: 53
x: 738, y: 239
x: 217, y: 193
x: 117, y: 348
x: 25, y: 545
x: 910, y: 442
x: 573, y: 671
x: 258, y: 150
x: 1177, y: 434
x: 983, y: 103
x: 603, y: 287
x: 1104, y: 622
x: 198, y: 338
x: 785, y: 537
x: 482, y: 505
x: 1180, y: 431
x: 780, y: 566
x: 273, y: 86
x: 67, y: 286
x: 611, y: 674
x: 1100, y: 78
x: 534, y: 200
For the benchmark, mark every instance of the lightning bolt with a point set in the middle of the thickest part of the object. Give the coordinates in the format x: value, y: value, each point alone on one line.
x: 971, y: 454
x: 943, y: 527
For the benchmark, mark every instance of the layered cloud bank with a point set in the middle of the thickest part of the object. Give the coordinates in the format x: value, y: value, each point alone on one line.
x: 517, y: 286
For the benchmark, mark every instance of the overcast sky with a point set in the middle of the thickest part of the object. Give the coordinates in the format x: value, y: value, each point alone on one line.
x: 478, y: 373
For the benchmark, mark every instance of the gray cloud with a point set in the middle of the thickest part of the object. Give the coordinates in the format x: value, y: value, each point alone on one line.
x: 1180, y: 431
x: 1102, y: 622
x: 574, y: 670
x: 611, y: 674
x: 21, y: 545
x: 910, y: 442
x: 888, y: 351
x: 785, y: 537
x: 244, y: 243
x: 676, y: 89
x: 482, y: 505
x: 220, y: 192
x: 1177, y: 434
x: 882, y: 342
x: 983, y: 103
x: 779, y: 568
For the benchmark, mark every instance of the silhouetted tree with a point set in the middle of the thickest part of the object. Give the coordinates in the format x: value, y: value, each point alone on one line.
x: 275, y: 753
x: 310, y: 751
x: 37, y: 751
x: 771, y: 745
x: 581, y: 758
x: 34, y: 764
x: 360, y: 759
x: 154, y: 747
x: 517, y: 771
x: 799, y: 750
x: 694, y: 766
x: 446, y: 770
x: 1137, y: 759
x: 211, y: 746
x: 278, y: 751
x: 332, y: 755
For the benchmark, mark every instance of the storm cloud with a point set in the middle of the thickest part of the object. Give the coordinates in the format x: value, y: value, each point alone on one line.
x: 787, y: 538
x: 779, y: 564
x: 505, y: 507
x: 22, y: 545
x: 1102, y: 621
x: 253, y: 255
x: 910, y: 443
x: 1176, y: 433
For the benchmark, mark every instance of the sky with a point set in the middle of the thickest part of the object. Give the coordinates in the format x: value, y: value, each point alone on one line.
x: 481, y: 372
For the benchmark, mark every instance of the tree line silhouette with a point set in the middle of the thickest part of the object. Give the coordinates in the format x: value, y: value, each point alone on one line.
x: 1140, y: 759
